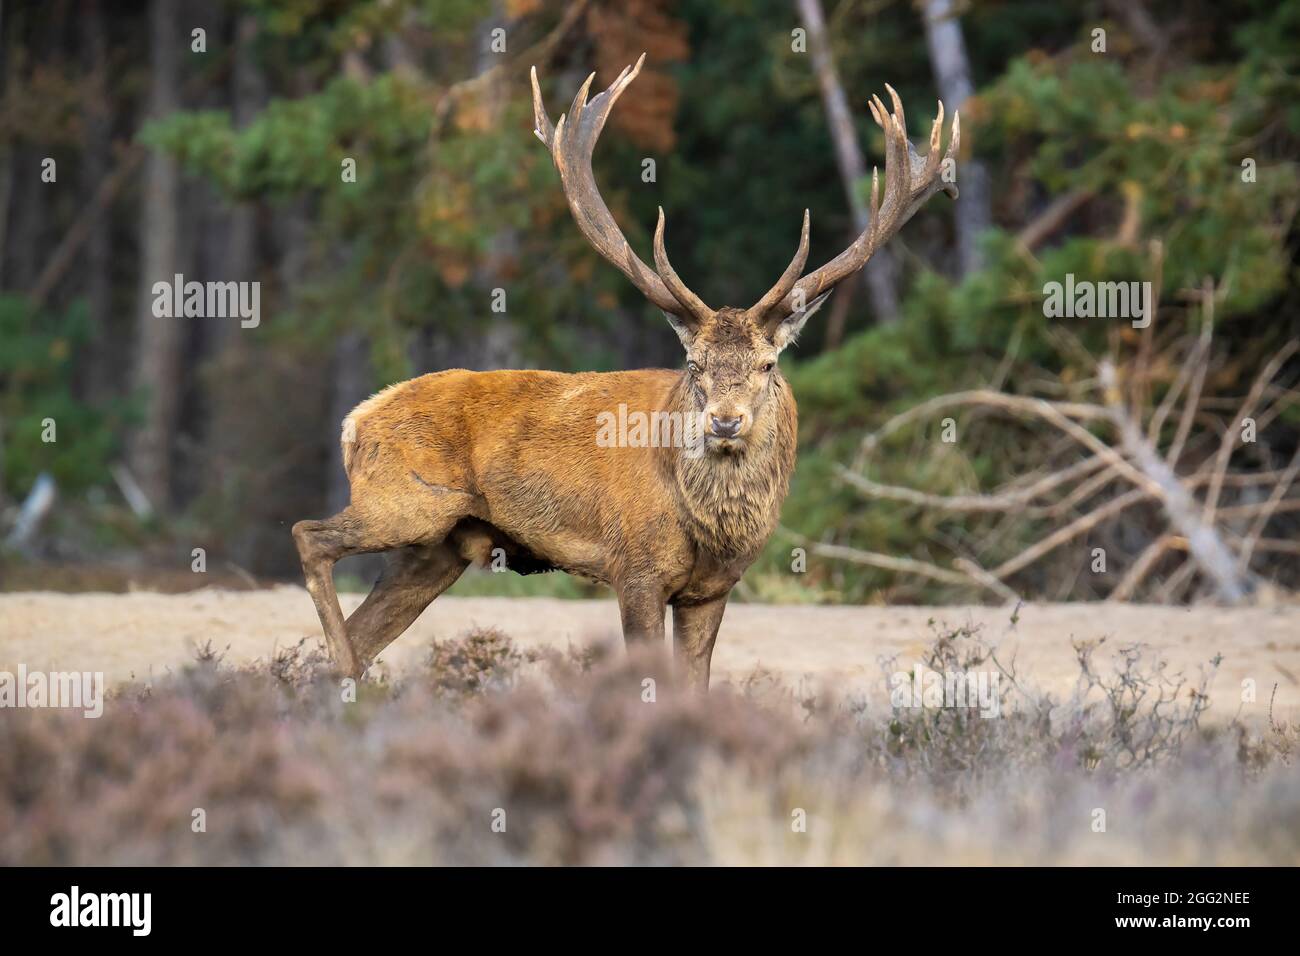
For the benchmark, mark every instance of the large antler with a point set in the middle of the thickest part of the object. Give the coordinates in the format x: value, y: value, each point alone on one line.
x: 910, y: 180
x: 571, y: 142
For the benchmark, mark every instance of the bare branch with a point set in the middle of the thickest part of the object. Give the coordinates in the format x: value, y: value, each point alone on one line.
x: 1201, y: 361
x: 1185, y: 370
x: 1204, y: 542
x: 1176, y: 582
x: 906, y: 566
x: 1007, y: 501
x: 1140, y: 568
x: 1071, y: 531
x: 1082, y: 492
x: 1229, y: 440
x: 1283, y: 506
x: 1057, y: 413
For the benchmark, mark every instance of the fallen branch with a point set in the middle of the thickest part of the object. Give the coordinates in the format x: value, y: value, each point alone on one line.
x: 1128, y: 447
x: 1229, y: 440
x: 1060, y: 414
x: 1201, y: 360
x: 1204, y: 542
x: 1006, y: 501
x: 1267, y: 511
x: 969, y: 573
x: 1173, y: 587
x: 1283, y: 506
x: 1140, y: 568
x: 1071, y: 531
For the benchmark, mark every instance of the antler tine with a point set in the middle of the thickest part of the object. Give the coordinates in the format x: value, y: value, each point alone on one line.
x: 910, y: 180
x: 570, y: 142
x: 936, y: 132
x: 875, y: 197
x: 759, y: 312
x: 899, y: 117
x: 896, y: 166
x: 898, y: 171
x: 542, y: 127
x: 879, y: 113
x: 689, y: 300
x: 580, y: 98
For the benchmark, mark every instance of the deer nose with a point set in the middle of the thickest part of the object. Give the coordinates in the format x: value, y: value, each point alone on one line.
x: 725, y: 427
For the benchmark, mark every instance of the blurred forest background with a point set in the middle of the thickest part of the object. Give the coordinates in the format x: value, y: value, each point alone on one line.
x: 1162, y: 148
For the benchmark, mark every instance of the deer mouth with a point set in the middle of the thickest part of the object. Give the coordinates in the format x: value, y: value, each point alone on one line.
x: 727, y: 445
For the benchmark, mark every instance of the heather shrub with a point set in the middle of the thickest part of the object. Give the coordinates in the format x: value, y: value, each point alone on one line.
x: 490, y: 755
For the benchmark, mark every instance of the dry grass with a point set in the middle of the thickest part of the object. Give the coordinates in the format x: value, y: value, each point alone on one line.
x: 566, y: 750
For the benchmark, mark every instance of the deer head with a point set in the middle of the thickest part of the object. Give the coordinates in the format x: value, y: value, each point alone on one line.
x: 731, y: 353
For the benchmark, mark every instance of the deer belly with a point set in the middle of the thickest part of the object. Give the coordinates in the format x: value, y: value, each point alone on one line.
x: 490, y: 546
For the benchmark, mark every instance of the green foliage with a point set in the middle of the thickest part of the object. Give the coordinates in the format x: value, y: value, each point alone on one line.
x: 1177, y: 151
x: 297, y: 145
x: 36, y: 385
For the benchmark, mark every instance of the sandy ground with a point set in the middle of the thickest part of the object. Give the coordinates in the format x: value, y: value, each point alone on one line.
x: 143, y: 634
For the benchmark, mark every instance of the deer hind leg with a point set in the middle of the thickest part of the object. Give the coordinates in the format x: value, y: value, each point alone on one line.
x: 356, y: 531
x: 413, y: 578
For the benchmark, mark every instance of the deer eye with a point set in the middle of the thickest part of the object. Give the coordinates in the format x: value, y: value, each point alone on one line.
x: 767, y: 366
x: 692, y: 368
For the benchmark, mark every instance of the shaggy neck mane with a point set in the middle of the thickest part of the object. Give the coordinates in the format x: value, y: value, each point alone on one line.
x: 731, y: 501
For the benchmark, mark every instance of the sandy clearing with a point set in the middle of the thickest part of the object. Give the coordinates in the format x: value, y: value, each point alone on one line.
x: 144, y: 634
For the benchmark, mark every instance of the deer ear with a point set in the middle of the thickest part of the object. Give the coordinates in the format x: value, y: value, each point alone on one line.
x: 787, y: 330
x: 685, y: 331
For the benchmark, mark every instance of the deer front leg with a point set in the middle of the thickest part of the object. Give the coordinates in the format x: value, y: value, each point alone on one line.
x: 642, y: 607
x: 695, y: 629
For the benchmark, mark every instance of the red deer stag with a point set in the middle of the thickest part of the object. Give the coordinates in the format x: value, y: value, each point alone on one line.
x: 447, y: 468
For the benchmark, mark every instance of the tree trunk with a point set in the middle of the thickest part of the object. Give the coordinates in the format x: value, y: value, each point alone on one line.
x: 953, y: 77
x: 8, y: 79
x: 158, y: 340
x: 880, y: 271
x: 97, y: 380
x: 231, y: 398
